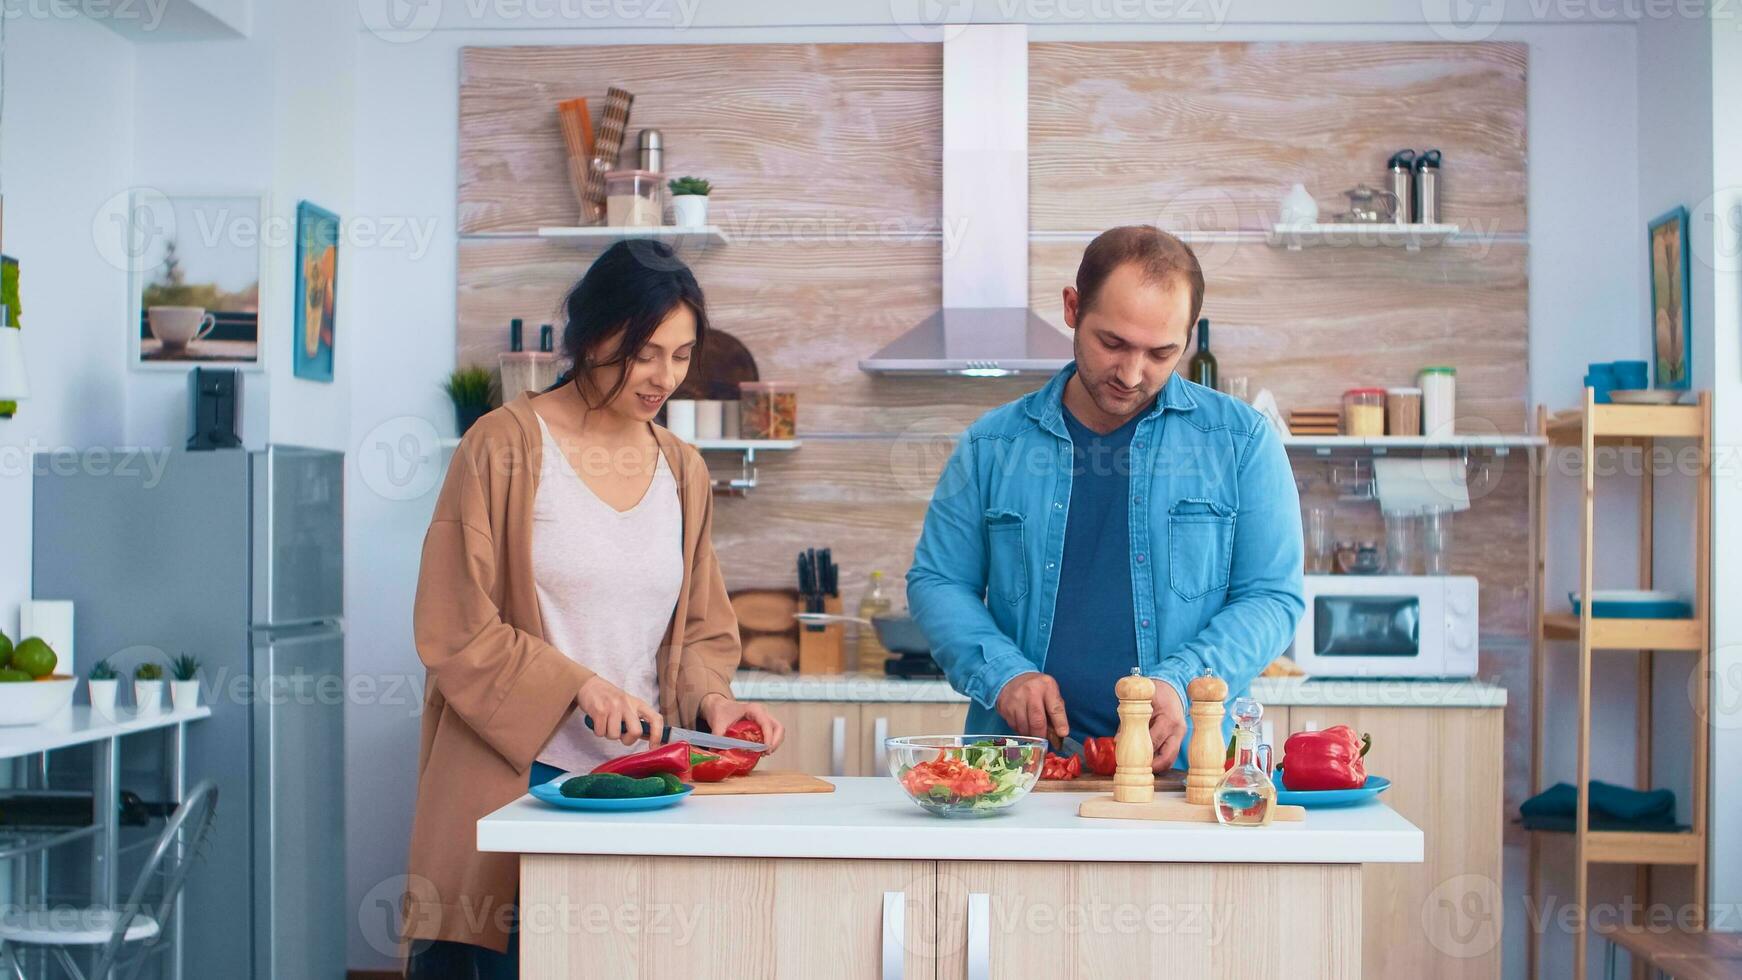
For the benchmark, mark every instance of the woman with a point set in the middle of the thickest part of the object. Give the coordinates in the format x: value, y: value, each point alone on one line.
x: 567, y: 573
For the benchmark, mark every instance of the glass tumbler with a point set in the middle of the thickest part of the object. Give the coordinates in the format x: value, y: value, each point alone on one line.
x: 1399, y: 544
x: 1318, y: 541
x: 1436, y: 540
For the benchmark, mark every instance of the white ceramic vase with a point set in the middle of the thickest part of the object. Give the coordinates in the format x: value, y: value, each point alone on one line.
x: 184, y: 695
x: 1298, y: 207
x: 103, y: 696
x: 690, y: 210
x: 148, y: 697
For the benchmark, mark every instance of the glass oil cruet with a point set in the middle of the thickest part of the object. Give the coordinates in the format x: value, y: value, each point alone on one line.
x: 1246, y: 797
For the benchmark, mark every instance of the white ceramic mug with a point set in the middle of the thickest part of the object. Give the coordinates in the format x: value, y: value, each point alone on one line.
x: 178, y: 326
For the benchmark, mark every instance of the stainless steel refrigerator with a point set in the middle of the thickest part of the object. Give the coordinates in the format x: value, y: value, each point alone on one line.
x: 237, y: 558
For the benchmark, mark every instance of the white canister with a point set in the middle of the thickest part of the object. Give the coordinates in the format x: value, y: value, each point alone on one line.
x: 729, y: 427
x: 680, y: 418
x: 1439, y: 400
x: 710, y: 419
x: 52, y: 620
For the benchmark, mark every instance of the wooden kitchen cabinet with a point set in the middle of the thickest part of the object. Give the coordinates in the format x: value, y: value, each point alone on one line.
x: 729, y: 917
x: 879, y: 720
x: 1092, y: 920
x: 822, y: 737
x: 1440, y: 918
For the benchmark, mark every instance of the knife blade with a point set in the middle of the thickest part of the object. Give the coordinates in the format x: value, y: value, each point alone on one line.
x: 704, y: 739
x: 1069, y: 746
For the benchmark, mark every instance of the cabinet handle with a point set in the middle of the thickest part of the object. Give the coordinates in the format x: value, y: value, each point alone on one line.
x: 979, y: 936
x: 879, y: 735
x: 894, y: 935
x: 838, y: 746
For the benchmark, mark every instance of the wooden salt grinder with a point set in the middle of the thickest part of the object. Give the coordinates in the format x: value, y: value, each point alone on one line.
x: 1208, y: 749
x: 1133, y: 779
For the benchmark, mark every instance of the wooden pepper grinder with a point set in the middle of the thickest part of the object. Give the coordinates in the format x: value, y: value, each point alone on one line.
x: 1133, y: 779
x: 1208, y: 749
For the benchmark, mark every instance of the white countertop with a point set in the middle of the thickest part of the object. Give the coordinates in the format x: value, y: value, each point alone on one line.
x: 755, y: 685
x: 79, y: 725
x: 869, y: 817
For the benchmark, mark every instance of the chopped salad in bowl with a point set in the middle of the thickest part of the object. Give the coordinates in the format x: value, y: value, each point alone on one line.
x: 965, y: 775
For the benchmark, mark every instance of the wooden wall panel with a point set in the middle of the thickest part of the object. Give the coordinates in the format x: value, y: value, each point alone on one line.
x: 821, y: 138
x: 1310, y: 324
x: 1208, y: 137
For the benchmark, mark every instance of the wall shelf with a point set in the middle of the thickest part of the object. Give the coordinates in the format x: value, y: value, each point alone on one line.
x: 745, y: 449
x: 606, y: 234
x: 1499, y: 444
x: 1411, y: 237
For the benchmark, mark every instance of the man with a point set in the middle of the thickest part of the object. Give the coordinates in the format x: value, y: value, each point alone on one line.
x: 1120, y: 517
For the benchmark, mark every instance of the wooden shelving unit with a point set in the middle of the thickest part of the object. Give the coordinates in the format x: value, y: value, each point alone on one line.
x: 1584, y: 429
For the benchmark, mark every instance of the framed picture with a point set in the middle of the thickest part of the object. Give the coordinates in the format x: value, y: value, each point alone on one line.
x: 1671, y: 329
x: 316, y: 294
x: 196, y: 265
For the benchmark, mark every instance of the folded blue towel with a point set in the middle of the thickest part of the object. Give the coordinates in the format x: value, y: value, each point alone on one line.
x: 1612, y: 808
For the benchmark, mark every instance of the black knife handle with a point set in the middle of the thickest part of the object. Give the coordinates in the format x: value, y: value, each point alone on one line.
x: 646, y: 730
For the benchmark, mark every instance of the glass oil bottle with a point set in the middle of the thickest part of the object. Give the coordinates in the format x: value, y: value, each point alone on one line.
x: 1246, y: 797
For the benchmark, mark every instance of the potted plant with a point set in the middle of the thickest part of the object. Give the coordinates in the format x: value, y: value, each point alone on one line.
x: 184, y: 688
x: 472, y: 390
x: 102, y: 682
x: 689, y: 201
x: 148, y: 688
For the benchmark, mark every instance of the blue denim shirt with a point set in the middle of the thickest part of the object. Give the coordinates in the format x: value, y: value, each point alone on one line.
x: 1215, y: 544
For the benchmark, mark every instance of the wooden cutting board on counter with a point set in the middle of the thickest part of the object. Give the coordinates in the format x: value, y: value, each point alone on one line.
x: 769, y: 781
x: 1167, y: 782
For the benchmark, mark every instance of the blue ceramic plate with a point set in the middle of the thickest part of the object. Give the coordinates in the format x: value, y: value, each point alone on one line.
x: 1632, y: 604
x: 552, y: 794
x: 1331, y: 797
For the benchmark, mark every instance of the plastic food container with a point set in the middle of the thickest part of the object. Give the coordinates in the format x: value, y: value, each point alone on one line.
x: 633, y: 199
x: 1403, y: 411
x: 1439, y: 400
x: 1364, y: 412
x: 767, y: 410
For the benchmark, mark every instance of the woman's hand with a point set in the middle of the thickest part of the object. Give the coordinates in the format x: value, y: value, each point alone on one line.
x: 720, y: 712
x: 615, y: 713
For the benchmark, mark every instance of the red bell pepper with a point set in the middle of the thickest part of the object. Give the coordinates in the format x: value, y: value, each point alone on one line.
x: 1098, y: 755
x: 709, y: 768
x: 745, y: 759
x: 673, y: 758
x: 1061, y: 766
x: 1328, y: 759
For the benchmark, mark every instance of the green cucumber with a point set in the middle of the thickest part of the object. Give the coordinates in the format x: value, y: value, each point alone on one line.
x: 613, y: 786
x: 672, y: 783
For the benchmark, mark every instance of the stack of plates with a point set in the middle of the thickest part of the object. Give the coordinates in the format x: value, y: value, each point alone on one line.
x: 1645, y: 396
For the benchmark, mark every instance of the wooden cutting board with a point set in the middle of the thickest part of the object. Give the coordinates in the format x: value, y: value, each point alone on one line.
x: 765, y: 781
x: 1168, y: 782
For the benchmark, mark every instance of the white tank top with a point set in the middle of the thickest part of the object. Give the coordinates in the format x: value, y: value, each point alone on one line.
x: 607, y: 584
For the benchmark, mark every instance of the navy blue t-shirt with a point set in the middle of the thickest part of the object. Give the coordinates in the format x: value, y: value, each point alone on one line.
x: 1094, y: 634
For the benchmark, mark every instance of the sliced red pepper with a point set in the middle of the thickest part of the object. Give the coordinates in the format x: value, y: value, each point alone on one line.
x: 1098, y: 756
x: 749, y: 731
x: 1327, y: 759
x: 673, y: 758
x: 1061, y: 766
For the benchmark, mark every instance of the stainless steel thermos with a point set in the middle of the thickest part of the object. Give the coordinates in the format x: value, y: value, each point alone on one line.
x: 1401, y: 169
x: 1427, y: 188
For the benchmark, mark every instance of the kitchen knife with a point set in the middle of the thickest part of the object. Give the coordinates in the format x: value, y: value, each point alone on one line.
x: 1070, y: 746
x: 703, y: 739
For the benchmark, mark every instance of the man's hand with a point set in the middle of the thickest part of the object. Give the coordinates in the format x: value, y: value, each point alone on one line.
x: 1167, y: 725
x: 1030, y: 703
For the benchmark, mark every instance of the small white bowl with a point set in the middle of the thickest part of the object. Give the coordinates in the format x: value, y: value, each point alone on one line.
x: 34, y: 702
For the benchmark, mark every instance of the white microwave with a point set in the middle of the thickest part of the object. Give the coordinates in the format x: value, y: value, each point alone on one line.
x: 1387, y: 626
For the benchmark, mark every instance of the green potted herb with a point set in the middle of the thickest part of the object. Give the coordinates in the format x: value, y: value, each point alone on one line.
x: 689, y: 201
x: 473, y: 392
x: 148, y: 688
x: 101, y: 682
x: 184, y: 687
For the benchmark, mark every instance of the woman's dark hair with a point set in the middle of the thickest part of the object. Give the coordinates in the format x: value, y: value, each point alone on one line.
x: 628, y: 292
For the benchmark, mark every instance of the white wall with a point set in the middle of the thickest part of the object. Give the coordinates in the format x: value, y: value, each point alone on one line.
x: 57, y: 167
x: 1584, y: 264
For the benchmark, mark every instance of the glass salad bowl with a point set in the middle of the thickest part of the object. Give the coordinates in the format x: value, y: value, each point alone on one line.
x: 965, y: 775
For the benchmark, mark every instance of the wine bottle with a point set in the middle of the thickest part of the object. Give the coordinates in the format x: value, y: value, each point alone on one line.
x: 1203, y: 365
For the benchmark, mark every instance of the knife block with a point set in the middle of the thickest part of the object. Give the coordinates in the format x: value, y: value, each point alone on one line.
x: 823, y: 651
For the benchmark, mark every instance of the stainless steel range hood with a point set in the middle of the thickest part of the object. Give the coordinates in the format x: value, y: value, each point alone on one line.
x: 985, y: 328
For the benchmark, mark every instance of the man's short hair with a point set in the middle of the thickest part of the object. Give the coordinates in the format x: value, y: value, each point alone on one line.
x: 1159, y: 256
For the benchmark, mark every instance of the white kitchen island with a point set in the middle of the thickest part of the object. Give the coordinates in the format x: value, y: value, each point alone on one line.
x: 862, y: 883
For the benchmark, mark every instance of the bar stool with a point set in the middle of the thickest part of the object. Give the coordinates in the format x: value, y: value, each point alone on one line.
x: 56, y: 929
